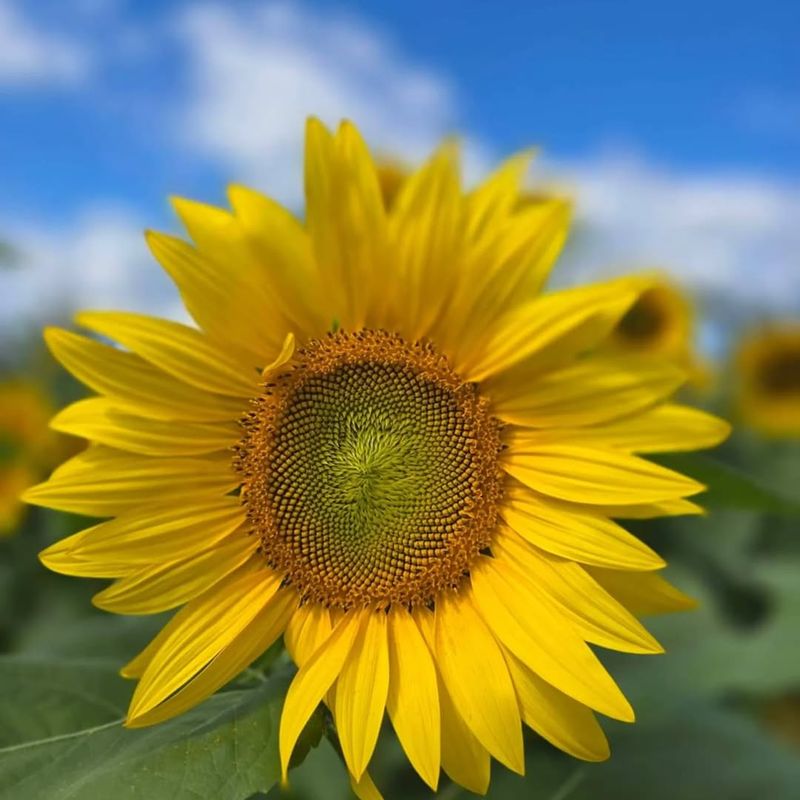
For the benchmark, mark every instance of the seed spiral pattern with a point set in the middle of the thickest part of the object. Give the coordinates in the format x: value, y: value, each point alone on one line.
x: 369, y: 471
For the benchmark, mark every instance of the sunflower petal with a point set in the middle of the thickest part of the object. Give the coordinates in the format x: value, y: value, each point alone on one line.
x: 564, y: 722
x: 280, y: 241
x: 427, y: 236
x: 177, y: 349
x: 534, y: 328
x: 225, y: 309
x: 361, y: 691
x: 665, y: 428
x: 589, y: 392
x: 365, y: 788
x: 101, y: 482
x: 494, y: 198
x: 309, y: 627
x: 312, y: 681
x: 466, y: 652
x: 164, y: 586
x: 98, y: 419
x: 62, y: 557
x: 135, y: 385
x: 200, y: 632
x: 230, y: 259
x: 643, y: 592
x: 575, y: 533
x: 464, y: 758
x: 531, y: 628
x: 253, y: 640
x: 595, y: 476
x: 594, y: 613
x: 158, y: 533
x: 413, y: 699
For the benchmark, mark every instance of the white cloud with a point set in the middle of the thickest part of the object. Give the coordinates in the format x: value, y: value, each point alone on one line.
x: 97, y: 260
x: 256, y: 73
x: 30, y: 56
x: 728, y: 235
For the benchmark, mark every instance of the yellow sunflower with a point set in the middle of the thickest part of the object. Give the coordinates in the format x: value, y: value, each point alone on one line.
x: 768, y: 379
x: 384, y: 444
x: 26, y: 446
x: 662, y: 322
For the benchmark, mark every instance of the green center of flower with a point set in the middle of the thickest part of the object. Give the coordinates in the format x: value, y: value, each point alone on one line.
x: 370, y: 472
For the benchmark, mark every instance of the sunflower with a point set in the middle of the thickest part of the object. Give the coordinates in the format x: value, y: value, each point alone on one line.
x: 384, y: 444
x: 26, y: 446
x: 662, y: 322
x: 768, y: 379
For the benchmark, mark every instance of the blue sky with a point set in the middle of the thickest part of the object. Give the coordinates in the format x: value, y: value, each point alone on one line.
x: 676, y: 124
x: 691, y: 84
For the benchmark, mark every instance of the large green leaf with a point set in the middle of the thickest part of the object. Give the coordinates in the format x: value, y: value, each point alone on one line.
x: 61, y: 737
x: 728, y: 487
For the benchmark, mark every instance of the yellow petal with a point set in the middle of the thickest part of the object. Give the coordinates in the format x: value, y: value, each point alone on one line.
x: 179, y: 350
x: 281, y: 244
x: 99, y: 420
x: 665, y: 508
x: 307, y: 630
x: 643, y: 592
x: 219, y: 300
x: 361, y: 690
x: 135, y: 385
x: 156, y: 534
x: 466, y: 653
x: 504, y: 269
x: 166, y: 585
x: 313, y: 680
x: 365, y: 789
x: 495, y: 198
x: 537, y: 327
x: 200, y: 632
x: 464, y: 758
x: 665, y: 428
x: 574, y: 532
x: 591, y: 391
x: 252, y: 642
x: 345, y: 218
x: 229, y: 258
x: 61, y: 557
x: 564, y: 722
x: 592, y: 611
x: 428, y: 237
x: 413, y: 699
x: 531, y: 628
x: 595, y: 476
x: 101, y: 482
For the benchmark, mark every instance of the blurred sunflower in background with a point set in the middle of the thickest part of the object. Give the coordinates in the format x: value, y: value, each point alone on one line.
x: 384, y: 444
x: 662, y: 323
x: 28, y: 448
x: 767, y: 377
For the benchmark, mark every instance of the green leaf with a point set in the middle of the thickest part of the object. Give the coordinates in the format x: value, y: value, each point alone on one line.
x: 727, y: 486
x: 61, y: 737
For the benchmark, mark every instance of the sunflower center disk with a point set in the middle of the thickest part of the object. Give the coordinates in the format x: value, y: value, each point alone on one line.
x: 370, y: 472
x: 780, y: 374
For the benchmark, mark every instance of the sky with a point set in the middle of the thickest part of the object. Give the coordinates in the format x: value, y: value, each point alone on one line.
x: 676, y: 126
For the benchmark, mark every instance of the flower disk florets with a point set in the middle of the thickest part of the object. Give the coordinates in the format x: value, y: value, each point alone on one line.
x: 370, y: 471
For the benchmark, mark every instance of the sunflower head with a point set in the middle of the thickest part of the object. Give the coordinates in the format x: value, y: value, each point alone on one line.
x: 768, y: 379
x: 660, y: 321
x: 384, y: 443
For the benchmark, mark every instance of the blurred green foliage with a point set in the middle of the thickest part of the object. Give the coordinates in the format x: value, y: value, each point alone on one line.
x: 707, y: 709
